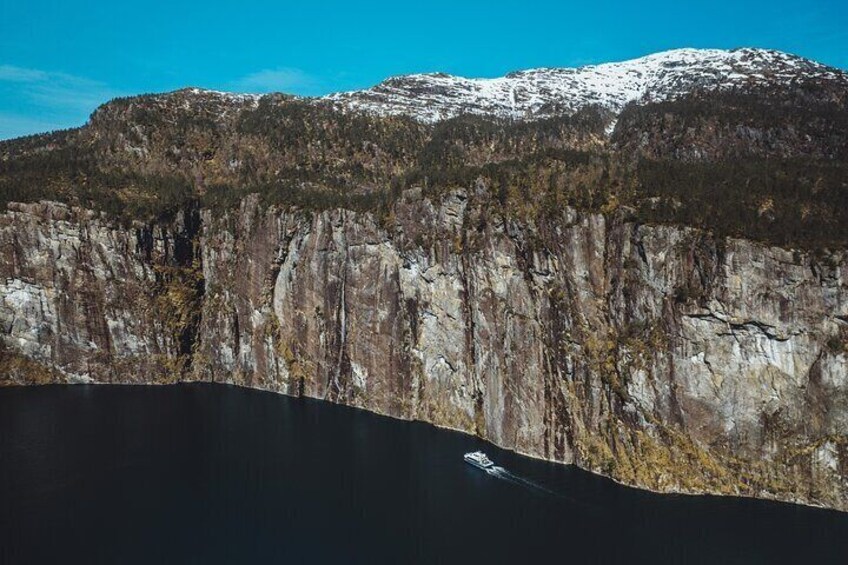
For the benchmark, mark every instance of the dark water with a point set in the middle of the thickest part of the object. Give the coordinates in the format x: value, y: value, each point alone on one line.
x: 214, y: 474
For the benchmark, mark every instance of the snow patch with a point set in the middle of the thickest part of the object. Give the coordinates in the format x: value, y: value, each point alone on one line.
x: 545, y: 92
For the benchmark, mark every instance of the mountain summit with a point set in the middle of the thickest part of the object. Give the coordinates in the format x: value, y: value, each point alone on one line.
x: 544, y: 92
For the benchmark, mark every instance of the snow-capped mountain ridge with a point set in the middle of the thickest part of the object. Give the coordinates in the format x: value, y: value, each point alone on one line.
x: 543, y: 92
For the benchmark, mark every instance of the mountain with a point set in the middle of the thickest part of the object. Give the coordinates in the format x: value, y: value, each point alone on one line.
x: 638, y: 268
x: 540, y: 93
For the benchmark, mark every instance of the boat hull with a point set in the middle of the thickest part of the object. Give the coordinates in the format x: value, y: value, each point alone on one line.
x: 478, y: 465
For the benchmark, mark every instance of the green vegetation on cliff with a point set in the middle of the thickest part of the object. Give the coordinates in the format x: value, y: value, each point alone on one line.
x: 764, y: 165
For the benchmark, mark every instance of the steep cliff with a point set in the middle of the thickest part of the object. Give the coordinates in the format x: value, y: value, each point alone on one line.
x: 655, y: 292
x: 658, y: 355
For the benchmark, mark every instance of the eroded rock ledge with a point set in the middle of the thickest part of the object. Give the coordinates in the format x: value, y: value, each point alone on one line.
x: 658, y: 355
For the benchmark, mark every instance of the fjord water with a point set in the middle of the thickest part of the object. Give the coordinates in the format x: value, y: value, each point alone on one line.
x: 217, y: 474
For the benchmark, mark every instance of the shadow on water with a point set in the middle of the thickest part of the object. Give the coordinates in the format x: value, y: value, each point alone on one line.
x: 216, y: 474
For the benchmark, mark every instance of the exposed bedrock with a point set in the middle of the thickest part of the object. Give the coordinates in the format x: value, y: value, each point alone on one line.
x: 655, y: 354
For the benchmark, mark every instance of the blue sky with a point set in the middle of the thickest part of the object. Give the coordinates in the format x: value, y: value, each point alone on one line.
x: 59, y: 59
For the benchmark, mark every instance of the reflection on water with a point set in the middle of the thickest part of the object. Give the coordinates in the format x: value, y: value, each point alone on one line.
x: 216, y: 474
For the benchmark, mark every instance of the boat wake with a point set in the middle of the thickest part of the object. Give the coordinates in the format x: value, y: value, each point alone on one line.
x: 502, y: 473
x: 481, y: 461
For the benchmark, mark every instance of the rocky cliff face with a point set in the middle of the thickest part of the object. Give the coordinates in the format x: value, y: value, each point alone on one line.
x: 636, y: 267
x: 656, y: 354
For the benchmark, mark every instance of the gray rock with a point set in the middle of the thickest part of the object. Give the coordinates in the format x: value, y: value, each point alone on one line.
x: 658, y: 355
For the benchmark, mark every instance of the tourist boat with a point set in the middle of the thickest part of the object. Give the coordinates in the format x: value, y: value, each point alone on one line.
x: 478, y: 459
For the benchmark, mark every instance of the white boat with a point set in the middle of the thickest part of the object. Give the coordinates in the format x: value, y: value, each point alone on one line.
x: 478, y: 459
